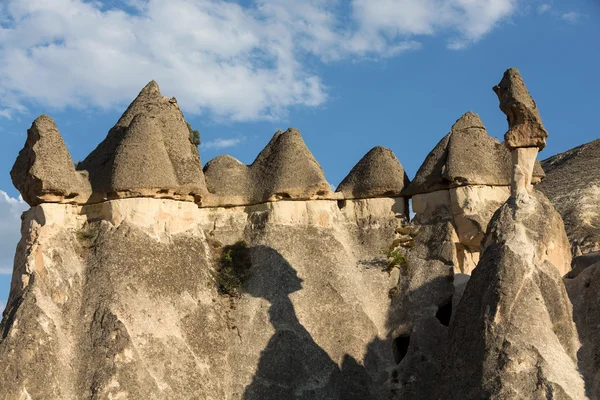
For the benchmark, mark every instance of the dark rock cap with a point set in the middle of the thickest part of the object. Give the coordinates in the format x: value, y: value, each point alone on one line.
x: 44, y: 170
x: 284, y: 169
x: 377, y: 174
x: 147, y: 153
x: 525, y: 128
x: 465, y: 156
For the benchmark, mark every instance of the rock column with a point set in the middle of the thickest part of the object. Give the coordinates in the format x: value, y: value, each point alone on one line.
x: 526, y: 134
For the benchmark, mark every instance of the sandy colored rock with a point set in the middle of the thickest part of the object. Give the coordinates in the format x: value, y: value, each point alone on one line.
x: 466, y: 156
x: 512, y: 335
x: 377, y: 174
x: 124, y: 293
x: 44, y: 170
x: 573, y: 187
x: 148, y: 153
x: 525, y: 128
x: 284, y: 169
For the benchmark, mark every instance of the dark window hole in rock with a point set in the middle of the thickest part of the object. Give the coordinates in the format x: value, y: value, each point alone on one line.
x: 341, y: 204
x: 401, y: 344
x: 444, y: 312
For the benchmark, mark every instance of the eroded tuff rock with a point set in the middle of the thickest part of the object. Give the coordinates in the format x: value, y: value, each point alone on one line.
x: 573, y: 187
x: 465, y: 156
x: 512, y: 335
x: 284, y: 169
x: 44, y: 171
x: 525, y: 128
x: 584, y: 292
x: 377, y: 174
x: 148, y: 153
x: 120, y: 300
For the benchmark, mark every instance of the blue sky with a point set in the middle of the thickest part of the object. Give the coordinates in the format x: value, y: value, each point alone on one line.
x: 349, y: 74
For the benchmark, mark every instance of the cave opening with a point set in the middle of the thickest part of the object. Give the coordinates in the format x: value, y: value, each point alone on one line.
x: 444, y: 312
x: 401, y: 344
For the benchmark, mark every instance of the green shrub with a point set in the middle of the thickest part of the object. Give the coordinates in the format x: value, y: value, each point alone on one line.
x: 233, y: 269
x: 194, y: 135
x: 395, y: 259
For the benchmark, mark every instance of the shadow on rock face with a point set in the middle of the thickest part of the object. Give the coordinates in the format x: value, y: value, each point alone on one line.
x: 293, y: 366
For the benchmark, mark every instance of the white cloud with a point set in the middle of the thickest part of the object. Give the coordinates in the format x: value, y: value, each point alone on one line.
x: 10, y: 225
x: 571, y: 17
x: 233, y: 61
x: 221, y: 143
x: 544, y: 8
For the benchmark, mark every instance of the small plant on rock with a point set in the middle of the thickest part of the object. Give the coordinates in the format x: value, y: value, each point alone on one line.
x: 194, y: 135
x: 233, y: 269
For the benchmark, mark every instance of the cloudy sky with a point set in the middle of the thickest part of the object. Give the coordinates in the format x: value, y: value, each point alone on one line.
x: 349, y: 74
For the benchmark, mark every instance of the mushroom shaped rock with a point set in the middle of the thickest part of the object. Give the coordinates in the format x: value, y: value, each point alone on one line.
x: 377, y: 174
x: 466, y: 156
x: 148, y: 153
x: 525, y: 128
x: 44, y: 171
x: 512, y: 335
x: 284, y: 169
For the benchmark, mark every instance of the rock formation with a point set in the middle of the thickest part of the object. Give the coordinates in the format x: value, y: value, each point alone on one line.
x: 44, y: 171
x: 161, y: 280
x: 285, y: 169
x: 148, y: 153
x: 525, y: 128
x: 513, y: 335
x: 377, y: 174
x: 573, y: 186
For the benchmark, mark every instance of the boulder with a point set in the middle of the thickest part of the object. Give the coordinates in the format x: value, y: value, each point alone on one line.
x: 44, y: 171
x: 377, y: 174
x: 148, y: 153
x: 525, y: 128
x: 465, y: 156
x: 512, y: 334
x: 284, y: 170
x: 573, y: 186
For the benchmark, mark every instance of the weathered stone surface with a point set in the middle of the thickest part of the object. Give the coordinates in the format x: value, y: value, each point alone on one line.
x: 377, y: 174
x: 584, y: 292
x: 512, y: 335
x: 581, y: 262
x: 525, y: 128
x: 284, y: 169
x: 148, y: 153
x: 44, y: 171
x: 573, y: 186
x: 119, y: 300
x: 466, y: 156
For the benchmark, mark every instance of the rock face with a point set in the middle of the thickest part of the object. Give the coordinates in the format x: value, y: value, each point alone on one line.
x: 512, y: 335
x: 44, y: 171
x: 584, y: 292
x: 465, y: 156
x: 148, y: 153
x: 377, y: 174
x: 525, y: 128
x: 284, y: 169
x: 573, y: 186
x: 120, y: 300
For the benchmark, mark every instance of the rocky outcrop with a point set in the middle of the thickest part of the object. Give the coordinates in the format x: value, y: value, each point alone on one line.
x: 284, y: 169
x: 148, y: 153
x: 512, y: 335
x: 573, y: 186
x: 44, y: 171
x: 377, y: 174
x: 525, y: 128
